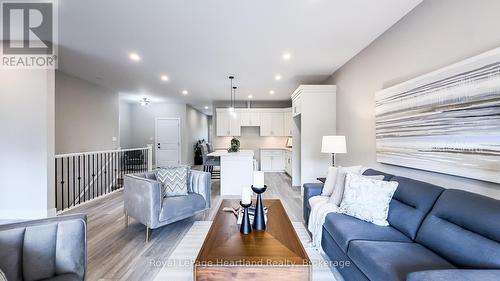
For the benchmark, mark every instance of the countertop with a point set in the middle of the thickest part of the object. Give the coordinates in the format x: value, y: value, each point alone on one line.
x: 276, y: 148
x: 242, y: 152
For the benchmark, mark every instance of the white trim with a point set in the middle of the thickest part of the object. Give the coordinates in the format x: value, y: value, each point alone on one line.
x: 156, y: 137
x: 52, y: 212
x: 96, y: 152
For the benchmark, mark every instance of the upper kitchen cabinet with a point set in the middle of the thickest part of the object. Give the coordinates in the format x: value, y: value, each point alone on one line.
x: 249, y: 117
x: 228, y: 124
x: 272, y: 124
x: 288, y: 119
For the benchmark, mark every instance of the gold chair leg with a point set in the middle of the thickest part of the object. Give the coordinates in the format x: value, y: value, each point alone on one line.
x: 148, y: 233
x: 126, y: 219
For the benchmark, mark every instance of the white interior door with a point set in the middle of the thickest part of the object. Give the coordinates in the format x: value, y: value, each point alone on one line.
x: 168, y: 142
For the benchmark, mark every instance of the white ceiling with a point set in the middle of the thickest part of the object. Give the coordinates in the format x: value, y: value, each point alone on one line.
x: 198, y: 43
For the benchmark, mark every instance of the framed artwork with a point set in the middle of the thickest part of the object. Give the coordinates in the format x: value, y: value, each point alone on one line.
x: 447, y: 121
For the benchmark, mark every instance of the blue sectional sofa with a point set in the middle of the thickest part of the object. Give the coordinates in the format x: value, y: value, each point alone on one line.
x: 434, y: 234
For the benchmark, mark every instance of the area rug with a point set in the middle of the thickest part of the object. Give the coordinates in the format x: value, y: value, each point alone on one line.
x: 179, y: 266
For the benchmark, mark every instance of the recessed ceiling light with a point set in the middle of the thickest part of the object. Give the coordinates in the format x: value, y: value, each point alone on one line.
x: 184, y: 92
x: 206, y: 107
x: 164, y: 78
x: 271, y: 92
x: 277, y: 77
x: 134, y: 56
x: 250, y: 96
x: 286, y: 56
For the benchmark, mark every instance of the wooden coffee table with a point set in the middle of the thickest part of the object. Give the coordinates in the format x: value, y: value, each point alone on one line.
x: 275, y: 254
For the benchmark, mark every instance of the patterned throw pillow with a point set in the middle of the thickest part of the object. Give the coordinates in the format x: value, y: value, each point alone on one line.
x: 174, y: 180
x: 367, y: 199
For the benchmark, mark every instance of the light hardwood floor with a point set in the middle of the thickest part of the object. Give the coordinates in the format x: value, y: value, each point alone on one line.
x: 119, y: 253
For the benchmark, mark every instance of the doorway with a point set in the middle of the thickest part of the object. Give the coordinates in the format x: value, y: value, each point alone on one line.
x: 168, y: 141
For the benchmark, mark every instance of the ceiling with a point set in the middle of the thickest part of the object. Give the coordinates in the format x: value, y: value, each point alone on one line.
x: 198, y: 43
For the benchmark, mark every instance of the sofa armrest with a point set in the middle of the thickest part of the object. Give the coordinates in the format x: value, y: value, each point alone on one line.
x: 201, y: 183
x: 142, y: 199
x: 312, y: 189
x: 455, y: 275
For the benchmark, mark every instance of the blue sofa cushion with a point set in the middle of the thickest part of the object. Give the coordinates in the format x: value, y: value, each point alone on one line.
x: 455, y: 275
x: 178, y: 207
x: 411, y: 202
x: 372, y: 172
x: 344, y: 229
x: 464, y: 228
x: 392, y: 261
x: 340, y: 260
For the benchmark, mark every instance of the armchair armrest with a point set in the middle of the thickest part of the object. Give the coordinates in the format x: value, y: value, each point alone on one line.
x: 201, y: 183
x: 142, y: 198
x: 455, y: 275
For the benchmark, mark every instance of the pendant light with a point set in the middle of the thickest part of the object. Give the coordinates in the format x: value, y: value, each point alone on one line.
x: 231, y: 106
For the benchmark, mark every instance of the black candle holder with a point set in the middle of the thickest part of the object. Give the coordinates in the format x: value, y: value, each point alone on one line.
x: 259, y: 221
x: 245, y: 227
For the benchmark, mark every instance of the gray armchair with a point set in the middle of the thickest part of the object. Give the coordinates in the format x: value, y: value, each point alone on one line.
x: 47, y: 249
x: 144, y: 203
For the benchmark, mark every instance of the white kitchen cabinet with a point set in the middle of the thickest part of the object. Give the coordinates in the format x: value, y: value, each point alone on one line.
x: 288, y: 119
x: 272, y: 160
x: 228, y: 124
x: 272, y: 124
x: 249, y: 118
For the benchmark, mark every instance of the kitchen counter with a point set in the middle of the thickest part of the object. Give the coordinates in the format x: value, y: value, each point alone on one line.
x: 236, y: 170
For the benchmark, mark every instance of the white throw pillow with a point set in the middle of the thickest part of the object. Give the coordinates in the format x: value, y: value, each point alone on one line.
x: 2, y: 276
x: 330, y: 180
x: 338, y: 190
x: 367, y: 199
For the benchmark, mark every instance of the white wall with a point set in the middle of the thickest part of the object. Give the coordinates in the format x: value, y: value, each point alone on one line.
x: 435, y: 34
x: 143, y: 124
x: 86, y: 116
x: 26, y: 144
x: 196, y: 129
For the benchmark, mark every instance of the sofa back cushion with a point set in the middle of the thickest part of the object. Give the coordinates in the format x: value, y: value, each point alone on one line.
x: 464, y: 228
x: 372, y: 172
x: 411, y: 202
x: 41, y: 249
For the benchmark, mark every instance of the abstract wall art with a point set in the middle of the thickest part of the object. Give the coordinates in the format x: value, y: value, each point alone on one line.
x: 447, y: 121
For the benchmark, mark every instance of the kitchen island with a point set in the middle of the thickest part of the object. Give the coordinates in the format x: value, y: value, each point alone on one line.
x: 236, y: 170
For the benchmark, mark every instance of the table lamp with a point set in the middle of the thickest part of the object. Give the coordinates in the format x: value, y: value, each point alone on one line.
x: 333, y: 144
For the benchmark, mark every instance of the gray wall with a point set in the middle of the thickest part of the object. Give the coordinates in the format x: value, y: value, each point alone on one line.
x: 143, y: 125
x: 197, y: 128
x: 86, y: 116
x: 435, y: 34
x: 26, y: 144
x: 125, y: 125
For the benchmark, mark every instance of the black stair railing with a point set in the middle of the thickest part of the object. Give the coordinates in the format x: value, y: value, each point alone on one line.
x: 82, y: 177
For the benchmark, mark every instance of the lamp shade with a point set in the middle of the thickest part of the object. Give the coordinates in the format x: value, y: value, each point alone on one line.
x: 333, y: 144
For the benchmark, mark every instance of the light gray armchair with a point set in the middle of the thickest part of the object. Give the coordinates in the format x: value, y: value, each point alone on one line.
x: 47, y: 249
x: 144, y: 202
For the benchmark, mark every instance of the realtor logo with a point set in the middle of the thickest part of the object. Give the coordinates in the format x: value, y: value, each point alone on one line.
x: 28, y: 30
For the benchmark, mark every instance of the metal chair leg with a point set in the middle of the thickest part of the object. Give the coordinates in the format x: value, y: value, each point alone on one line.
x: 148, y: 234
